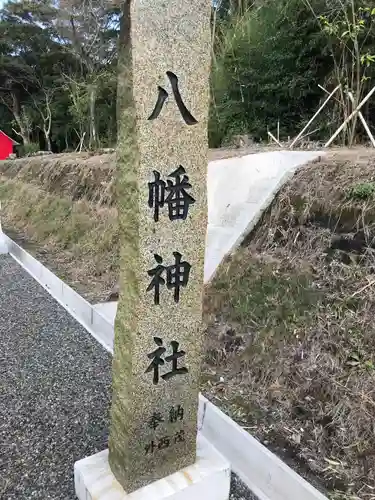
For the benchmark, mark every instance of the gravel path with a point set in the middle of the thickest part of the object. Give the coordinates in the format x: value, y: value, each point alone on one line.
x: 55, y: 393
x: 55, y: 386
x: 239, y: 491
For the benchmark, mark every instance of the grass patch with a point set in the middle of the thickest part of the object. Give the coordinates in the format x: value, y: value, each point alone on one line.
x: 296, y: 354
x: 261, y: 295
x: 363, y: 191
x: 74, y: 175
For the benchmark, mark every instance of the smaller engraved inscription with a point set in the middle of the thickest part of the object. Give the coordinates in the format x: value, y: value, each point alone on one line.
x: 164, y: 442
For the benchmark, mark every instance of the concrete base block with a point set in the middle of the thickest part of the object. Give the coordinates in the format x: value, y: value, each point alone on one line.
x: 207, y: 479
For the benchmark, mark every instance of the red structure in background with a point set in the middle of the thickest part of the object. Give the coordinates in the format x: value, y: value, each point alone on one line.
x: 6, y: 146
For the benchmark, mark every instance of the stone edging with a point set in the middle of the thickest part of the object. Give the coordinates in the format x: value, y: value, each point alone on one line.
x: 76, y: 305
x: 264, y: 474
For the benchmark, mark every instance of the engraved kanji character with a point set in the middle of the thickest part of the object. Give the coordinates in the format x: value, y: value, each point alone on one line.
x: 155, y: 420
x: 157, y: 359
x: 164, y: 443
x: 162, y: 97
x: 176, y: 414
x: 177, y: 276
x: 150, y: 448
x: 179, y: 437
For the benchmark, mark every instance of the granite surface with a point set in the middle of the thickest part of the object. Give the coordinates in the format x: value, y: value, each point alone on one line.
x: 153, y: 427
x: 55, y: 391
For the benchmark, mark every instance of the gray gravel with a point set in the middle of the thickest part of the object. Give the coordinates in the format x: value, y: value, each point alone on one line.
x: 239, y: 491
x: 54, y: 393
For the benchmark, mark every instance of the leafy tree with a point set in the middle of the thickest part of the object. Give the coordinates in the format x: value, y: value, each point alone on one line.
x: 268, y: 64
x: 92, y: 29
x: 349, y: 28
x: 31, y: 60
x: 56, y: 65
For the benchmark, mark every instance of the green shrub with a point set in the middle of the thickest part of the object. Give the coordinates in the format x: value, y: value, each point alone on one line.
x: 267, y: 66
x: 363, y: 191
x: 28, y: 149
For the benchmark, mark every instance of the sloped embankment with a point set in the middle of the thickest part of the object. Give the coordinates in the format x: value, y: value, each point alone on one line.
x: 291, y: 326
x: 60, y: 208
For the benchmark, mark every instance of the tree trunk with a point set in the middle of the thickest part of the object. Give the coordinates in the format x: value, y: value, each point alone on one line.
x: 92, y: 97
x: 48, y: 140
x: 235, y: 6
x: 17, y: 116
x: 66, y: 140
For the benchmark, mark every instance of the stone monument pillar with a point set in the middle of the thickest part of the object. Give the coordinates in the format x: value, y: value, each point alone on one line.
x: 162, y: 165
x: 163, y: 210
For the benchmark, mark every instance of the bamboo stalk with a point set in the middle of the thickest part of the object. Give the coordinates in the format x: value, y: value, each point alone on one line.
x: 327, y: 92
x: 361, y: 117
x: 274, y: 139
x: 309, y: 133
x: 313, y: 118
x: 364, y: 100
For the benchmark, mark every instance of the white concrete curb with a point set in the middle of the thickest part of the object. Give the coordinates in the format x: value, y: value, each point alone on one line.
x: 263, y: 472
x: 266, y: 475
x: 76, y: 305
x: 239, y: 190
x: 3, y: 243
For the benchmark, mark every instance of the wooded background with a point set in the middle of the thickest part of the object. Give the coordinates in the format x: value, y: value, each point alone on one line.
x: 58, y: 69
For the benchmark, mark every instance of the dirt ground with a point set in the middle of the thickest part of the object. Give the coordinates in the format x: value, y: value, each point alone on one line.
x: 290, y: 341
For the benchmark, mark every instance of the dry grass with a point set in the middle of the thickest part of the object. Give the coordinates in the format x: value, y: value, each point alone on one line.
x: 77, y: 240
x: 67, y: 217
x: 291, y: 327
x: 75, y: 175
x: 82, y: 175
